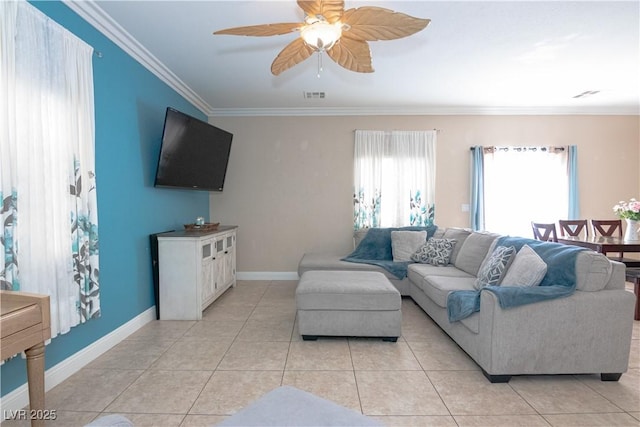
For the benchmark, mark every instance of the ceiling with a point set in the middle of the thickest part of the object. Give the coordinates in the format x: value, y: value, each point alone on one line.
x: 475, y: 57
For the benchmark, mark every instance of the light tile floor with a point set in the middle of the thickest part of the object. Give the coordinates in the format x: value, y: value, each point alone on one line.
x: 173, y: 373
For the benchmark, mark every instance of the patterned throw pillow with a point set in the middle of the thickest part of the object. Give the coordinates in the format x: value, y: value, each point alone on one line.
x: 435, y: 252
x: 494, y: 268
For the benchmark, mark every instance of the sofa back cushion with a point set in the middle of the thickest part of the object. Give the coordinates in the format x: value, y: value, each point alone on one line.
x: 358, y: 235
x: 593, y: 271
x: 473, y: 251
x: 439, y: 233
x: 405, y: 243
x: 459, y: 235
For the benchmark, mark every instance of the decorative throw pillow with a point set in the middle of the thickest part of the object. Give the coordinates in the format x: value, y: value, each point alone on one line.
x: 527, y: 269
x: 405, y: 243
x: 495, y: 266
x: 435, y: 252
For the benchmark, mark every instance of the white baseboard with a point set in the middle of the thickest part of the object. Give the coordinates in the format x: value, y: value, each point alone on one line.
x: 267, y: 275
x: 19, y: 398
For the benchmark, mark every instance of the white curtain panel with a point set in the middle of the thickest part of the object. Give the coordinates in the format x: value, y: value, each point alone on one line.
x: 394, y: 178
x: 369, y: 154
x: 523, y: 185
x: 47, y: 149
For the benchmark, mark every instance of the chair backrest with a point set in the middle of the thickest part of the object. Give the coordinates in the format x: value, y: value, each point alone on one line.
x: 544, y: 231
x: 607, y: 227
x: 573, y: 227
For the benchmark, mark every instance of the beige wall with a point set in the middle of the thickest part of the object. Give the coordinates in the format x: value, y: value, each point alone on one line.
x: 289, y: 181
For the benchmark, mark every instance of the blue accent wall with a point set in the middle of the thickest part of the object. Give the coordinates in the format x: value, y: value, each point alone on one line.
x: 130, y: 104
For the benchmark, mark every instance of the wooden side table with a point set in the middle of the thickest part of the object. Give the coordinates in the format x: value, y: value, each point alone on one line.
x: 25, y: 324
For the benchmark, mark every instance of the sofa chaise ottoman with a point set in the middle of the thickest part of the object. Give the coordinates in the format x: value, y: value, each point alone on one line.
x: 348, y: 303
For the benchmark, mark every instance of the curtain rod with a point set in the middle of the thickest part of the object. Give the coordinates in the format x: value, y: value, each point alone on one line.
x: 516, y: 148
x: 398, y: 130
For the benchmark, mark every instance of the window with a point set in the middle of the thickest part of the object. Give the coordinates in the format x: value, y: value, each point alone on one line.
x: 394, y: 178
x: 520, y: 185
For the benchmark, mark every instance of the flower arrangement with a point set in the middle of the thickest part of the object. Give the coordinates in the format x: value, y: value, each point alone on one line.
x: 628, y: 210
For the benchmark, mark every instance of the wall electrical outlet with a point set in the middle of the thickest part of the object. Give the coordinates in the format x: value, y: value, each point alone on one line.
x: 465, y: 207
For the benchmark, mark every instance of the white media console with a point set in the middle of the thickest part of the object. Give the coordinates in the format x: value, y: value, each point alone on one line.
x: 195, y: 268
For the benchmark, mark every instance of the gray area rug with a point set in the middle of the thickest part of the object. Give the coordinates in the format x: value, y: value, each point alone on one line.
x: 289, y: 407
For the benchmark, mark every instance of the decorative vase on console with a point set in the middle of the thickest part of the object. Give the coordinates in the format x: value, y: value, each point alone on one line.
x: 630, y: 212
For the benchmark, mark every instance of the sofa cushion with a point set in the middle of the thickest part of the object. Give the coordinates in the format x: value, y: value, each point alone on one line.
x: 346, y: 290
x: 593, y: 271
x: 527, y: 269
x: 358, y: 235
x: 495, y: 266
x: 474, y: 250
x: 434, y: 251
x: 416, y: 272
x: 376, y: 244
x: 439, y: 233
x: 405, y: 243
x: 459, y: 235
x: 438, y: 287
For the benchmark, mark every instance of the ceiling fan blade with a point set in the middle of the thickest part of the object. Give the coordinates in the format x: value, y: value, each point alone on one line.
x: 261, y: 30
x: 352, y: 54
x: 376, y: 23
x: 294, y: 53
x: 332, y: 10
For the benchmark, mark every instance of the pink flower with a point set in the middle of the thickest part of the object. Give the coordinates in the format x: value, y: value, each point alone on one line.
x: 628, y: 210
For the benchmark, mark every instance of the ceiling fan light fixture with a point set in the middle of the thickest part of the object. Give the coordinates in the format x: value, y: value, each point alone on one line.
x: 322, y: 30
x: 321, y: 35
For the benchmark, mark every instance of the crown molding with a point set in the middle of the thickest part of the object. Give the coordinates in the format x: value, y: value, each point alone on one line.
x: 427, y: 111
x: 102, y: 21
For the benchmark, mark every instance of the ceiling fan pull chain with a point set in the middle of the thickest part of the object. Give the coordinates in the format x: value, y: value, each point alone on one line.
x: 319, y: 63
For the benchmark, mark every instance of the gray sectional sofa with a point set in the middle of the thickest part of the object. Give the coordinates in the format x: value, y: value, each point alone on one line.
x: 586, y: 332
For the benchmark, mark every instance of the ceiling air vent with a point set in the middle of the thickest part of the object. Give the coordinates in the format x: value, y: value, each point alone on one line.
x: 313, y: 95
x: 586, y: 93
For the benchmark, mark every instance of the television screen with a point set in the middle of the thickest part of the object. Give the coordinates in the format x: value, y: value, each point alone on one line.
x: 194, y: 154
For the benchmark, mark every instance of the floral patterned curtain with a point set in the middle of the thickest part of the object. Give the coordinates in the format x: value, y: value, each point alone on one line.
x: 49, y: 210
x: 394, y: 178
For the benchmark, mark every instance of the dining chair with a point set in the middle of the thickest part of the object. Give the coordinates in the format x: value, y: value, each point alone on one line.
x: 612, y: 228
x: 573, y: 227
x: 544, y: 231
x: 607, y: 227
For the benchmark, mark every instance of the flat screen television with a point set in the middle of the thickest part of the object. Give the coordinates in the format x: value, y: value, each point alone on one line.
x: 193, y: 154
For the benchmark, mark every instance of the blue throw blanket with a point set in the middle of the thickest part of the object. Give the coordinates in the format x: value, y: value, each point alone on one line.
x: 375, y: 248
x: 559, y: 281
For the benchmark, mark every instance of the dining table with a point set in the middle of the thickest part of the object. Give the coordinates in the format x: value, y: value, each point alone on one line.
x: 613, y: 244
x: 603, y: 244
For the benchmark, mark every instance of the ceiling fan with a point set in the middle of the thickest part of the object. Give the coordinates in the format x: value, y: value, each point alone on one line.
x: 342, y: 34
